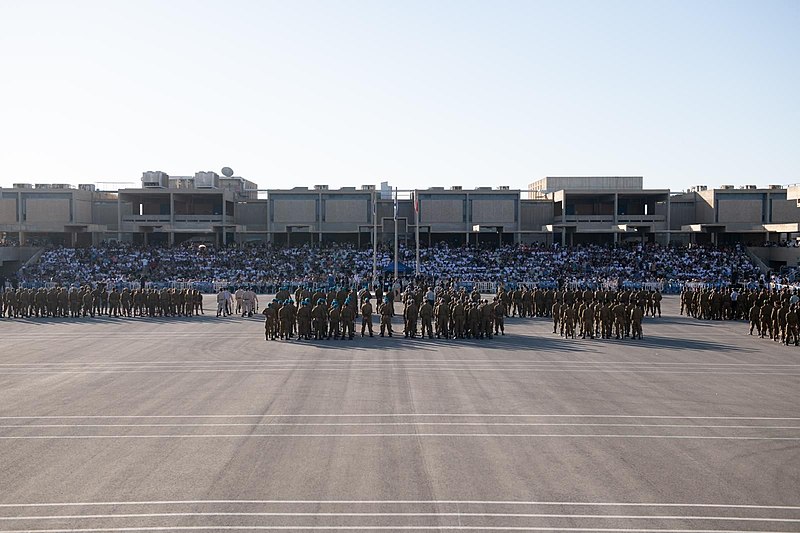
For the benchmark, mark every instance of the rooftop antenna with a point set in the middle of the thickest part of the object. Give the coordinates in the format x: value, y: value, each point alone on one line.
x: 227, y: 172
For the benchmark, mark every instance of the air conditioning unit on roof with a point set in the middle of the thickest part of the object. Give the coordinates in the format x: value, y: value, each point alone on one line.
x: 776, y: 187
x: 206, y: 180
x: 502, y: 187
x: 726, y: 187
x: 155, y: 179
x: 320, y: 187
x: 456, y: 188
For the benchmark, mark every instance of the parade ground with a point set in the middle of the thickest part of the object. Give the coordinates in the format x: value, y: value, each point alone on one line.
x: 200, y: 424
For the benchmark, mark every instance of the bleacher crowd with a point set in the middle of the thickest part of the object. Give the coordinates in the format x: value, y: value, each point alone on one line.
x: 266, y: 267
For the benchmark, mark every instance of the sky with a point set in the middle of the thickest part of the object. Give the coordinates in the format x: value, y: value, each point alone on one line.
x: 417, y: 93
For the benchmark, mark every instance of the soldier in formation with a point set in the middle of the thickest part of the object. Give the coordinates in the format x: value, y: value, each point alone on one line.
x: 603, y: 314
x: 771, y: 313
x: 90, y: 302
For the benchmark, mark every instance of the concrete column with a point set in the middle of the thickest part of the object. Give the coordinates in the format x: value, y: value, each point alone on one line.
x: 319, y: 223
x: 171, y: 235
x: 224, y: 229
x: 669, y: 218
x: 119, y: 217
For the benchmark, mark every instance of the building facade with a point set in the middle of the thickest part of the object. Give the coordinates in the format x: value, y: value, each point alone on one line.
x: 222, y: 210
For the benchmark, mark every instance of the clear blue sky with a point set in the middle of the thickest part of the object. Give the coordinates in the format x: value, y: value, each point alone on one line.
x: 417, y: 93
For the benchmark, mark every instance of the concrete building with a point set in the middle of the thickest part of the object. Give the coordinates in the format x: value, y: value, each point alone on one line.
x: 748, y: 214
x: 222, y: 210
x: 56, y: 212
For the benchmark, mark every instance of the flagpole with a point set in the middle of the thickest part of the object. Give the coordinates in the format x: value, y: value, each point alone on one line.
x: 416, y: 225
x: 396, y: 244
x: 374, y: 239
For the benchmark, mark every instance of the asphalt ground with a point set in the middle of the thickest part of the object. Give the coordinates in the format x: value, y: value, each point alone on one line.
x: 199, y: 424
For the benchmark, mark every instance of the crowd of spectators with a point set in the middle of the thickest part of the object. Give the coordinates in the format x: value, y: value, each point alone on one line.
x: 343, y: 264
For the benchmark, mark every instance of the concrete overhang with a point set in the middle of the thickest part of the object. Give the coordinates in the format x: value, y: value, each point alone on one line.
x: 792, y: 227
x: 702, y: 228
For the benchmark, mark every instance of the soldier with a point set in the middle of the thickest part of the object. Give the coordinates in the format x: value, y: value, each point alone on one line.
x: 636, y: 322
x: 775, y: 319
x: 238, y: 294
x: 473, y: 320
x: 792, y: 326
x: 366, y: 316
x: 319, y: 318
x: 88, y: 298
x: 285, y: 317
x: 114, y: 302
x: 62, y: 306
x: 556, y: 313
x: 40, y: 303
x: 459, y: 313
x: 606, y: 320
x: 569, y: 316
x: 386, y: 315
x: 527, y: 302
x: 220, y: 302
x: 410, y: 315
x: 334, y: 321
x: 303, y: 320
x: 587, y: 317
x: 657, y: 297
x: 426, y: 315
x: 270, y: 321
x: 500, y: 314
x: 618, y: 313
x: 178, y: 302
x: 442, y: 314
x: 347, y: 316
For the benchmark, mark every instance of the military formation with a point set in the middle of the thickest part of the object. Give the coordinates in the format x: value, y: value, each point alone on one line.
x: 771, y: 313
x: 455, y: 313
x: 601, y: 313
x: 91, y: 302
x: 307, y: 315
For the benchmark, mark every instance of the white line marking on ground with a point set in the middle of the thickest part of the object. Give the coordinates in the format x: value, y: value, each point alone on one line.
x: 406, y: 502
x: 388, y: 424
x: 388, y: 415
x: 388, y: 528
x: 376, y: 361
x: 392, y: 368
x: 395, y: 435
x: 374, y: 515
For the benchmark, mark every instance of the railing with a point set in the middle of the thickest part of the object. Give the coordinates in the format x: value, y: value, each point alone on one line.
x: 178, y: 219
x: 621, y: 219
x: 641, y: 218
x: 146, y: 218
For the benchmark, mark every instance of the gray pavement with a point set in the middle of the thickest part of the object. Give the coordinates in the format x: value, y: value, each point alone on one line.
x: 199, y: 424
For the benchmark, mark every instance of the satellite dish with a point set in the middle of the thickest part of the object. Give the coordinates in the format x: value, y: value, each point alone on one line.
x: 227, y: 172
